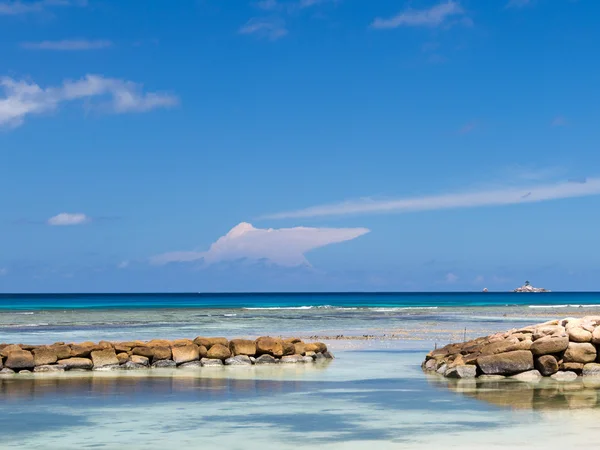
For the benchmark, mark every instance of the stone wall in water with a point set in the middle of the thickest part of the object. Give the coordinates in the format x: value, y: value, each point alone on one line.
x: 158, y: 353
x: 561, y: 349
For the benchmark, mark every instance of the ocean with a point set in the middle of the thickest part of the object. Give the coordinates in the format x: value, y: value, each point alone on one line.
x: 373, y: 394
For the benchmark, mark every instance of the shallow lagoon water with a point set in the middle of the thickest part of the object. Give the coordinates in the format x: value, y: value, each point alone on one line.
x: 373, y: 395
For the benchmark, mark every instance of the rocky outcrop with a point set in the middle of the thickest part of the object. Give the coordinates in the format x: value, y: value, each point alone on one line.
x: 158, y: 353
x: 559, y: 349
x: 529, y: 288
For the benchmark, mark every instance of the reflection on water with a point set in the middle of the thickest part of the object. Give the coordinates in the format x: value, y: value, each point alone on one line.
x: 546, y: 394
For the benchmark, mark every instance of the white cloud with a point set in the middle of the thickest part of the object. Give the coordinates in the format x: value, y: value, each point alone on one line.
x: 67, y: 45
x: 267, y: 5
x: 68, y: 219
x: 18, y: 7
x: 23, y: 98
x: 506, y: 196
x: 123, y: 265
x: 284, y: 246
x: 272, y: 29
x: 432, y: 17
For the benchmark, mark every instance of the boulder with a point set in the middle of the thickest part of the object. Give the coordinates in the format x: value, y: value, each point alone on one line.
x: 161, y: 343
x: 591, y: 370
x: 181, y: 342
x: 49, y: 368
x: 191, y: 365
x: 83, y: 350
x: 506, y: 363
x: 120, y: 348
x: 300, y: 348
x: 62, y: 351
x: 44, y: 355
x: 6, y: 371
x: 266, y: 359
x: 580, y: 352
x: 317, y: 347
x: 548, y: 330
x: 9, y: 348
x: 209, y: 342
x: 288, y: 348
x: 130, y: 365
x: 549, y: 344
x: 269, y: 346
x: 243, y: 347
x: 328, y: 355
x: 530, y: 375
x: 164, y: 363
x: 596, y: 336
x: 307, y: 359
x: 137, y: 359
x: 564, y: 376
x: 185, y: 353
x: 104, y: 358
x: 239, y: 360
x: 122, y: 357
x: 19, y: 360
x: 160, y: 352
x: 578, y: 334
x: 571, y: 366
x: 148, y: 352
x: 76, y: 363
x: 207, y: 362
x: 467, y: 371
x: 218, y: 351
x: 547, y: 365
x: 294, y: 359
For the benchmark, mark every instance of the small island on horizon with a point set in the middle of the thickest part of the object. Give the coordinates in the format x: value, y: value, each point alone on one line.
x: 527, y: 287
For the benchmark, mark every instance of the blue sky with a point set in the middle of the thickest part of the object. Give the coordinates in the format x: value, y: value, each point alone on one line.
x: 297, y: 145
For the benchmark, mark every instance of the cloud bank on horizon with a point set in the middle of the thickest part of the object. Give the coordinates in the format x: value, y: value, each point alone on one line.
x: 498, y: 197
x: 283, y: 246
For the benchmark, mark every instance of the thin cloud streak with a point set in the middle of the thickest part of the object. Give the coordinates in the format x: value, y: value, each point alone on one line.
x: 17, y: 7
x: 498, y: 197
x: 67, y: 45
x: 432, y: 17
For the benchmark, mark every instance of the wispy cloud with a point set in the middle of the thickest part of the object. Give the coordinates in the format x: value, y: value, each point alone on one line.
x: 267, y: 5
x: 272, y: 29
x: 18, y: 7
x: 433, y: 17
x: 64, y: 219
x: 284, y: 246
x: 67, y: 45
x: 497, y: 197
x: 23, y: 98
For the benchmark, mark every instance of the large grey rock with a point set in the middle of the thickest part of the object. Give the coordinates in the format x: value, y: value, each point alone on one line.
x: 547, y: 365
x: 580, y: 353
x: 130, y: 365
x: 164, y: 363
x: 293, y: 359
x: 564, y: 376
x: 506, y: 363
x: 208, y: 362
x: 328, y: 355
x: 107, y: 368
x: 550, y: 344
x: 591, y: 370
x: 442, y: 369
x: 530, y: 375
x: 240, y: 360
x: 467, y: 371
x: 191, y: 365
x: 308, y: 359
x: 50, y: 368
x: 266, y: 359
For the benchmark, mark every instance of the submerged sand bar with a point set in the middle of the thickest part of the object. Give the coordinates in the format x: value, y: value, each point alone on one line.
x: 158, y: 353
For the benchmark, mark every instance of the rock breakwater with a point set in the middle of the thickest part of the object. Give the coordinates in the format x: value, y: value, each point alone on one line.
x: 158, y: 353
x: 562, y: 349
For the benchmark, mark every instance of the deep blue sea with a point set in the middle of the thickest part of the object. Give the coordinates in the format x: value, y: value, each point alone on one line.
x: 33, y: 302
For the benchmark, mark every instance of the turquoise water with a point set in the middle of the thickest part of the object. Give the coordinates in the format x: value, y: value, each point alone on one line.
x: 32, y: 302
